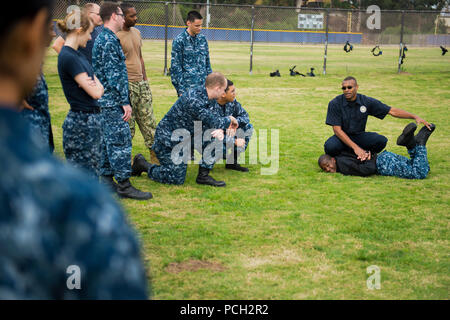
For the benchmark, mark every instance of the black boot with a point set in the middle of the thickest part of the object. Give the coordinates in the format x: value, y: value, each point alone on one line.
x: 232, y: 162
x: 139, y: 165
x: 204, y: 178
x: 126, y: 190
x: 407, y: 137
x: 424, y: 134
x: 109, y: 182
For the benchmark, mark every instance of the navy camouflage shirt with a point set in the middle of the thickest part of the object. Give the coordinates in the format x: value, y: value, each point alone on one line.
x: 108, y: 61
x: 190, y: 63
x: 52, y: 216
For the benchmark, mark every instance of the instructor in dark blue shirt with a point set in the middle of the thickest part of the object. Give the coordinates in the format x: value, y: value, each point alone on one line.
x: 348, y: 114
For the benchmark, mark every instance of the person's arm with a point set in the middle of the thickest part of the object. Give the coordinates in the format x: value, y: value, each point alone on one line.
x: 240, y: 114
x: 176, y: 68
x: 58, y: 44
x: 361, y: 153
x: 349, y: 165
x: 402, y: 114
x: 212, y: 120
x: 92, y: 87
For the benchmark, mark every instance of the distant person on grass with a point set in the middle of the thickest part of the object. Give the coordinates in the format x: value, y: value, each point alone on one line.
x: 386, y: 163
x: 139, y: 88
x: 190, y: 56
x: 348, y: 114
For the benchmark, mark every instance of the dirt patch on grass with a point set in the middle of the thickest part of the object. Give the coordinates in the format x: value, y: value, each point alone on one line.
x: 194, y: 265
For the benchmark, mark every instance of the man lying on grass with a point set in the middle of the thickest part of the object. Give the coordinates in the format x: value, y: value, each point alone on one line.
x: 386, y: 163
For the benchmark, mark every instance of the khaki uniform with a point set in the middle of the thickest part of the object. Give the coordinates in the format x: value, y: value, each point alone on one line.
x: 139, y: 90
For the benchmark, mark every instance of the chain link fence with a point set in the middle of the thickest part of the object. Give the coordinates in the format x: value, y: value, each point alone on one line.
x: 245, y: 23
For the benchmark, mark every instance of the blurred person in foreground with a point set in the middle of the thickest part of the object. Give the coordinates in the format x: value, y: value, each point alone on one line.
x: 53, y: 218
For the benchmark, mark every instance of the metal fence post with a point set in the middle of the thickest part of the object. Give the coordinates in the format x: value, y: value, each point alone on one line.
x: 252, y: 39
x: 401, y: 43
x: 326, y: 45
x: 166, y: 9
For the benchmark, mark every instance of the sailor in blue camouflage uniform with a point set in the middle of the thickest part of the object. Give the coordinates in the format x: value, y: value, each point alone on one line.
x: 236, y: 143
x: 386, y: 163
x: 190, y: 64
x: 39, y: 116
x: 177, y: 129
x: 108, y: 61
x: 53, y: 218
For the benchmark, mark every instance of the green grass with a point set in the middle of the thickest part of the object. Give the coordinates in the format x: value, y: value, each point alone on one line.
x: 301, y: 233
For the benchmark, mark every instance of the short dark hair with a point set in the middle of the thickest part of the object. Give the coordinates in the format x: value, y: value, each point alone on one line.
x: 323, y: 159
x: 350, y: 78
x: 193, y: 15
x: 125, y: 7
x: 229, y: 84
x: 107, y: 9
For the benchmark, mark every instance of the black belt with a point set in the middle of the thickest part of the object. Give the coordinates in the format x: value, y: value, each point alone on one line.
x: 93, y: 110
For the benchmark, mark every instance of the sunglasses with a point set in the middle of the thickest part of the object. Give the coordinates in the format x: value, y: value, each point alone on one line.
x: 348, y: 87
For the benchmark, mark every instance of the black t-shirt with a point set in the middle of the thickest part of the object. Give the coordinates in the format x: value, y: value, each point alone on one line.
x: 70, y: 64
x: 352, y: 116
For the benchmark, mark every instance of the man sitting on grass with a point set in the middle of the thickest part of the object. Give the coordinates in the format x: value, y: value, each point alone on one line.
x: 386, y: 163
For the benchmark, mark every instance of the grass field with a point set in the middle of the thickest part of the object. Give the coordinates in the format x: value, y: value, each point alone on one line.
x: 300, y: 233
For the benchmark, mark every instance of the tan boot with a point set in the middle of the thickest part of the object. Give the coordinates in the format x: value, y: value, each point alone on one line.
x: 153, y: 158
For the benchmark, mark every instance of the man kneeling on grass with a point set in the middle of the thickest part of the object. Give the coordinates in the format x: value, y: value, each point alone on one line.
x: 386, y: 163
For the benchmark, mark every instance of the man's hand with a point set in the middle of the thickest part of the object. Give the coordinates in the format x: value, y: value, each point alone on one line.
x: 218, y: 134
x: 231, y: 132
x: 363, y: 155
x: 425, y: 123
x: 239, y: 142
x: 127, y: 112
x: 233, y: 124
x: 92, y: 83
x: 25, y: 105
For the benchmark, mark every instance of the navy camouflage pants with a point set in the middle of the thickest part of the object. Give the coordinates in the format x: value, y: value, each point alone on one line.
x: 391, y: 164
x: 168, y: 171
x: 116, y: 145
x: 82, y: 138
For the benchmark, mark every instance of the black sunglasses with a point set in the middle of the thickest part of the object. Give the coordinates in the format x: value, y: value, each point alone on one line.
x: 348, y: 87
